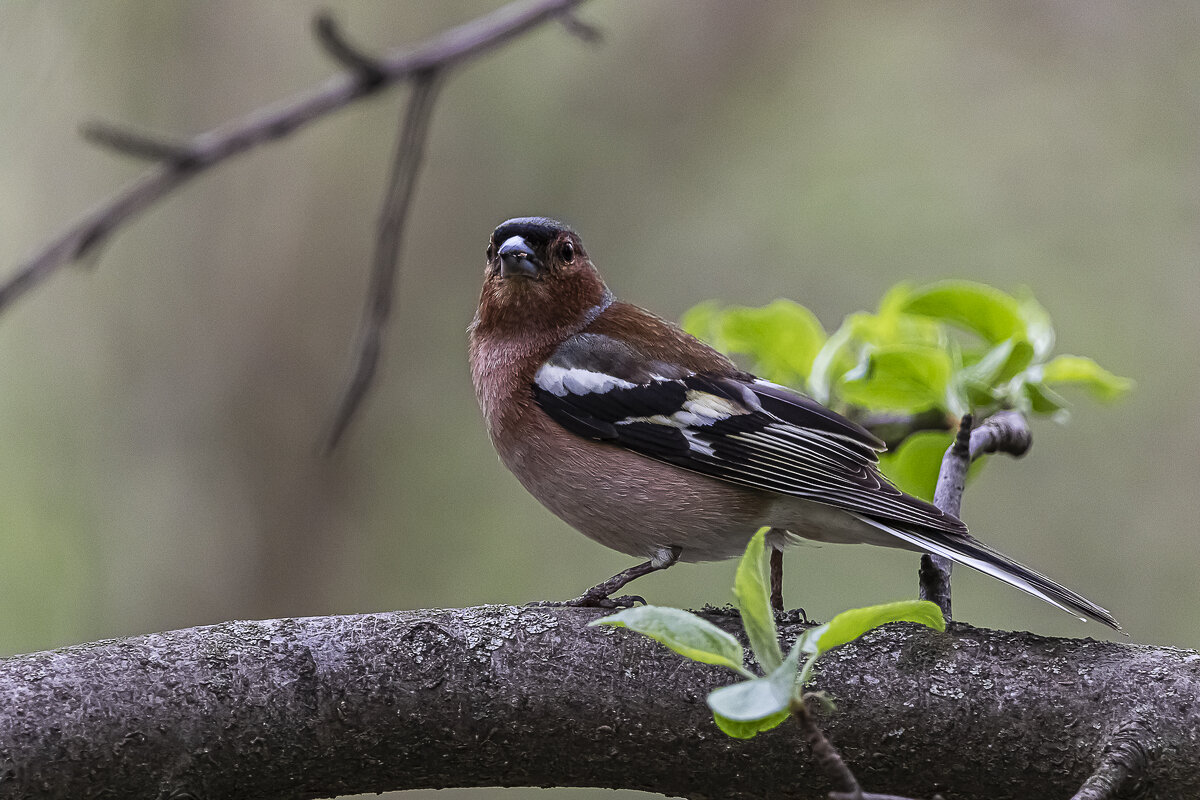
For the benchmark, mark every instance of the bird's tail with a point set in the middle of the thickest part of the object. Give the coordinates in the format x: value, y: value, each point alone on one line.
x: 975, y: 554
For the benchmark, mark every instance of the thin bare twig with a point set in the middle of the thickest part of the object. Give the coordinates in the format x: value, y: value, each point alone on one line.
x: 584, y: 31
x: 141, y: 145
x: 1003, y: 432
x: 893, y: 429
x: 410, y: 152
x: 827, y: 756
x: 270, y: 124
x: 846, y: 786
x: 329, y: 36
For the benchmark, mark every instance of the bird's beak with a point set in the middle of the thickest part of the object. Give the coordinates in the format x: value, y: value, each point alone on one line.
x: 517, y: 258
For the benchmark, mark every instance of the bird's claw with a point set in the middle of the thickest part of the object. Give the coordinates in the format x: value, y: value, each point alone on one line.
x: 797, y: 616
x: 626, y: 601
x: 592, y: 601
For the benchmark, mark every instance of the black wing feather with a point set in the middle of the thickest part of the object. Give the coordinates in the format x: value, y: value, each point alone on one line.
x: 746, y: 432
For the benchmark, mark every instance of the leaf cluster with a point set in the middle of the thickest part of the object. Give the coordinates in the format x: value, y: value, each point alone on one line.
x: 948, y: 347
x: 761, y: 702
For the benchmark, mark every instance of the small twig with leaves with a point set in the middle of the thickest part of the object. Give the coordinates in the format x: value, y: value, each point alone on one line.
x: 761, y: 702
x: 928, y: 357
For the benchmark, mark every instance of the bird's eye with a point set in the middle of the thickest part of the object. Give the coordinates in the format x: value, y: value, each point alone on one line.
x: 567, y: 253
x: 491, y: 252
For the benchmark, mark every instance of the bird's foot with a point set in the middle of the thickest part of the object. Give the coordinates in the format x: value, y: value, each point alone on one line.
x: 797, y: 616
x: 589, y: 600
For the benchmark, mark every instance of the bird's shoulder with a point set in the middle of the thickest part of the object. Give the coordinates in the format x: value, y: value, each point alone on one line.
x: 646, y: 337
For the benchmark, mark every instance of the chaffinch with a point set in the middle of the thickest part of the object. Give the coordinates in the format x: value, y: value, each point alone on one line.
x: 652, y: 443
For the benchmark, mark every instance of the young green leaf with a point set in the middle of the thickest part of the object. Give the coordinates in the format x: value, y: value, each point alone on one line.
x: 831, y: 361
x: 987, y: 311
x: 986, y: 370
x: 759, y: 699
x: 748, y: 730
x: 1039, y: 331
x: 915, y: 464
x: 999, y: 364
x: 1042, y: 399
x: 703, y: 322
x: 681, y: 631
x: 849, y: 625
x: 753, y: 602
x: 783, y: 337
x: 895, y: 299
x: 1084, y: 372
x: 908, y: 378
x: 895, y: 328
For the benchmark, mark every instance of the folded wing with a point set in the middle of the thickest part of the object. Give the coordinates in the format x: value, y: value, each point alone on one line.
x: 732, y: 427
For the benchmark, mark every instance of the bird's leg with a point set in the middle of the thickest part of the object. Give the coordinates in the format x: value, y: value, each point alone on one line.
x: 776, y: 579
x: 599, y: 596
x: 781, y: 616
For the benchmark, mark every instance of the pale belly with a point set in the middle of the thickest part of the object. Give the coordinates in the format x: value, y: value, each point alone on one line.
x: 638, y: 506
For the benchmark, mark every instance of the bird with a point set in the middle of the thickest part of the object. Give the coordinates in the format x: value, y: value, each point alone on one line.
x: 654, y: 444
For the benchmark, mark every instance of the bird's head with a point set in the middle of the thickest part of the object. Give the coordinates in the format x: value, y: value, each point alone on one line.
x: 537, y: 277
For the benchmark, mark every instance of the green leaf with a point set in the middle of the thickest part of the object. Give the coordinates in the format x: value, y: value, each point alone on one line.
x: 986, y: 378
x: 754, y: 604
x: 915, y: 464
x: 783, y: 338
x: 986, y: 369
x: 748, y: 730
x: 999, y: 364
x: 681, y: 631
x: 834, y: 358
x: 1084, y: 372
x: 849, y: 625
x: 890, y: 328
x: 1043, y: 399
x: 987, y: 311
x: 809, y: 642
x: 1039, y: 331
x: 899, y: 378
x: 895, y: 299
x: 702, y: 321
x: 758, y: 700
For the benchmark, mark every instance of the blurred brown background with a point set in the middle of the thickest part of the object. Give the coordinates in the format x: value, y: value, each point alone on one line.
x: 158, y: 416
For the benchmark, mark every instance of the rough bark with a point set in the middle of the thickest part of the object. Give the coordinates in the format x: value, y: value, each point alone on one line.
x: 498, y: 695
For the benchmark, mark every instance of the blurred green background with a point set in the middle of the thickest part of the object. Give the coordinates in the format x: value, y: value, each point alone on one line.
x: 159, y: 414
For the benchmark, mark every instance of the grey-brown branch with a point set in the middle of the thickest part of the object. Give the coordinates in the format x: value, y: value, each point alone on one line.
x: 509, y: 696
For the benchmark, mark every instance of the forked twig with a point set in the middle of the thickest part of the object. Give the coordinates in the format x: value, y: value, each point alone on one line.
x: 178, y: 162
